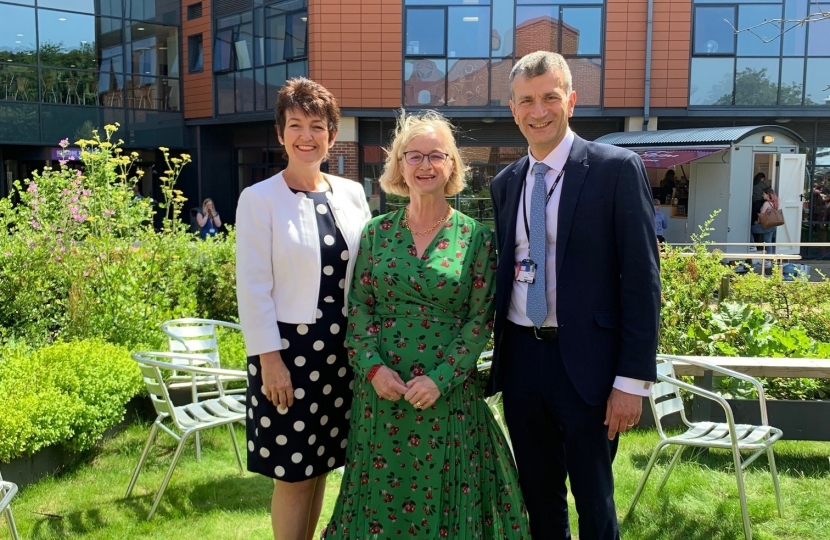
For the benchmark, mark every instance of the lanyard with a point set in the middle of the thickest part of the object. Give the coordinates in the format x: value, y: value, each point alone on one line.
x: 524, y: 203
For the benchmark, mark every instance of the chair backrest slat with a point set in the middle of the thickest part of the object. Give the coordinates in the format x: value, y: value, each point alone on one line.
x: 667, y: 407
x: 662, y: 389
x: 192, y: 331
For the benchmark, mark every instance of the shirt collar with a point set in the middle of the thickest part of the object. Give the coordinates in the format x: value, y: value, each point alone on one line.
x: 557, y: 157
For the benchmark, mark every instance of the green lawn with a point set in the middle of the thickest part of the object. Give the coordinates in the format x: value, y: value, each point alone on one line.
x: 210, y: 500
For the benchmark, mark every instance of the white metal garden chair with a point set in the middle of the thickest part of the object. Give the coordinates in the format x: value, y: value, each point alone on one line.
x: 7, y: 493
x: 666, y: 399
x: 198, y: 336
x: 183, y: 421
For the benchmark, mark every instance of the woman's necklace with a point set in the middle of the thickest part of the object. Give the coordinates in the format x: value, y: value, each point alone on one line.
x: 426, y: 232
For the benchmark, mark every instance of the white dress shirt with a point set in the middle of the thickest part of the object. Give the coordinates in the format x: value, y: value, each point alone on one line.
x: 556, y: 160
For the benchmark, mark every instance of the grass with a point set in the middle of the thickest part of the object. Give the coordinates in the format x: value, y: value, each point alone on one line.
x: 210, y: 499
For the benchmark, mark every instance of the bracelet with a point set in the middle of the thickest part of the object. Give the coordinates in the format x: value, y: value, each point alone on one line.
x: 372, y: 372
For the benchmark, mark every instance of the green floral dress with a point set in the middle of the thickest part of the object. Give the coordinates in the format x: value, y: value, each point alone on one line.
x: 444, y: 472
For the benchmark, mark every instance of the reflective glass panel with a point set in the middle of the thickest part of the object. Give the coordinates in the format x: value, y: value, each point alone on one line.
x: 792, y: 81
x: 468, y: 32
x: 141, y: 9
x: 713, y: 33
x: 245, y: 91
x: 446, y: 2
x: 756, y: 81
x: 820, y: 193
x: 195, y: 53
x: 275, y: 39
x: 425, y: 32
x: 274, y: 79
x: 243, y: 46
x: 222, y: 51
x: 501, y: 40
x: 424, y: 81
x: 711, y: 81
x: 587, y: 79
x: 259, y: 38
x: 259, y: 89
x: 537, y: 28
x: 818, y: 43
x: 581, y: 31
x: 296, y: 34
x: 794, y: 35
x: 815, y: 89
x: 66, y: 39
x: 297, y: 69
x: 467, y: 82
x: 110, y: 8
x: 152, y: 49
x: 225, y: 93
x: 499, y: 87
x: 84, y: 6
x: 19, y: 83
x: 24, y: 2
x: 756, y: 17
x: 18, y: 38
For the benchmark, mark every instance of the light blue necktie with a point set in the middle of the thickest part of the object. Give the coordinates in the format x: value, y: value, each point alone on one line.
x: 537, y: 302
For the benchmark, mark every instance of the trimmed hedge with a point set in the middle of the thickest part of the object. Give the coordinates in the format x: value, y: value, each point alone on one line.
x: 65, y: 393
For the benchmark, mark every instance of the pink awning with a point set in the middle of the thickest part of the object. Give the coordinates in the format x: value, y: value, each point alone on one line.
x: 663, y: 158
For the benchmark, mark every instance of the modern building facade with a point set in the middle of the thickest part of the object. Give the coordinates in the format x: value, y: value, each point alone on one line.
x: 660, y: 64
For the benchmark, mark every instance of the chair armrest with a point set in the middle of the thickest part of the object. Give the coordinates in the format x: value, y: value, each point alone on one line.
x: 724, y: 371
x: 147, y: 358
x: 707, y: 394
x: 484, y: 366
x: 11, y: 491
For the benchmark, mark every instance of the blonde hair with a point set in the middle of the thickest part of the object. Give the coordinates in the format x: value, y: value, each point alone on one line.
x: 409, y: 127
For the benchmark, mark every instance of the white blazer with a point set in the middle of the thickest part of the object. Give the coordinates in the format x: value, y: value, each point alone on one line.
x: 278, y: 255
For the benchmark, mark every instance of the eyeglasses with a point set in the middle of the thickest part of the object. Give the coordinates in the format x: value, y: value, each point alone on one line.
x: 415, y: 158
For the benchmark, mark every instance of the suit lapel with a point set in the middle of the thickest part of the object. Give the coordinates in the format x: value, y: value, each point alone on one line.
x: 575, y: 170
x: 513, y: 191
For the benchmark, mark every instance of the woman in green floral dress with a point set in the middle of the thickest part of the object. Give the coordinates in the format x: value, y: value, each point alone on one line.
x: 425, y: 457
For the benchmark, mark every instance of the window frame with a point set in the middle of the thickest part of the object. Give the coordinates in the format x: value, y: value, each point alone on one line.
x: 195, y: 39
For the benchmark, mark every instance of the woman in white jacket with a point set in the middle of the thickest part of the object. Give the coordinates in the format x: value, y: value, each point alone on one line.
x: 297, y: 237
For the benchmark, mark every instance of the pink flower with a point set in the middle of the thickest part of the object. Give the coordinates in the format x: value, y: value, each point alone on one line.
x: 35, y: 224
x: 64, y: 143
x: 62, y: 162
x: 79, y: 172
x: 32, y: 188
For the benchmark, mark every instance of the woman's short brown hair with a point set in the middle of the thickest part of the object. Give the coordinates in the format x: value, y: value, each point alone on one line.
x: 409, y: 127
x: 312, y: 99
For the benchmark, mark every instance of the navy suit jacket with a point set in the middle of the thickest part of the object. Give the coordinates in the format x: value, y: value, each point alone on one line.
x: 607, y: 267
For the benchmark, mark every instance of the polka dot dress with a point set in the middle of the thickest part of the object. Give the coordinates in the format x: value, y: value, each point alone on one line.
x: 309, y: 438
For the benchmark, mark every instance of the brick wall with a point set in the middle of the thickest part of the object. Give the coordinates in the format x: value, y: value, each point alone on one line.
x: 355, y: 50
x: 349, y: 151
x: 198, y: 87
x: 625, y: 53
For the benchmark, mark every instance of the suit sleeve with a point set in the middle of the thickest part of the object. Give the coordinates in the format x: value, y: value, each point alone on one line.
x: 464, y: 350
x: 255, y: 276
x: 363, y: 325
x: 639, y: 272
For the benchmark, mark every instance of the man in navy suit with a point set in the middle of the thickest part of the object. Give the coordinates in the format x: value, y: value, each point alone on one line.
x: 577, y: 304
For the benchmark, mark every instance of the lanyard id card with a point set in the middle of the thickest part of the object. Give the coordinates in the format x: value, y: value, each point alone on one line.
x: 526, y: 271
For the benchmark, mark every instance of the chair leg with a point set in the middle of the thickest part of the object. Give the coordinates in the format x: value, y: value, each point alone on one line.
x: 194, y: 397
x: 236, y: 449
x: 10, y: 522
x: 643, y: 480
x: 167, y: 476
x: 739, y: 475
x: 674, y: 461
x: 150, y: 439
x: 774, y: 472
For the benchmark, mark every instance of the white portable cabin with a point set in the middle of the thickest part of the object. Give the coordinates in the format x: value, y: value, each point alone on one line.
x: 720, y: 164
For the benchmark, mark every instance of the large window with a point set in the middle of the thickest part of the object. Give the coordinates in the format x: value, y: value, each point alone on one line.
x: 255, y: 52
x: 88, y: 55
x: 460, y: 52
x: 772, y: 65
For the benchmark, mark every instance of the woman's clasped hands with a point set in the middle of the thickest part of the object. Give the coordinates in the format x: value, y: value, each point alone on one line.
x: 421, y: 391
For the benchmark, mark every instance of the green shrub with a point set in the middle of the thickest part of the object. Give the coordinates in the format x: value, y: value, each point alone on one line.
x: 65, y: 393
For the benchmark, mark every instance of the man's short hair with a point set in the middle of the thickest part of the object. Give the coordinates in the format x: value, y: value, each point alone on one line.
x: 538, y: 63
x: 656, y: 202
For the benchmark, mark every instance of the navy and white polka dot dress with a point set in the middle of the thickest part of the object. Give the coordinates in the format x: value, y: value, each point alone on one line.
x: 308, y: 438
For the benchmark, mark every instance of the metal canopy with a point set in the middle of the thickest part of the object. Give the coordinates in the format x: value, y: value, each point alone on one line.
x: 664, y: 157
x: 693, y: 136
